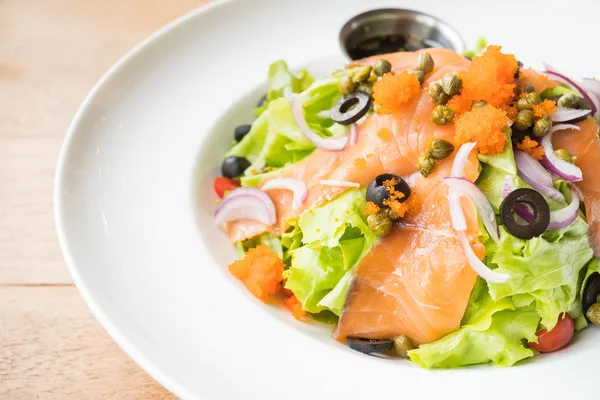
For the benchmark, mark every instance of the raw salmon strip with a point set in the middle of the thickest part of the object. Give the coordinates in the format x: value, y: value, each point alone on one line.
x: 386, y: 144
x: 585, y: 145
x: 416, y: 281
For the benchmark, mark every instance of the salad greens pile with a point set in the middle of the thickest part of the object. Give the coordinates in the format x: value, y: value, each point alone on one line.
x: 274, y: 141
x: 323, y: 245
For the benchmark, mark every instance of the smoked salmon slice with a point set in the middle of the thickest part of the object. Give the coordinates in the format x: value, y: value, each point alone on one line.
x: 416, y: 281
x: 387, y: 144
x: 585, y: 145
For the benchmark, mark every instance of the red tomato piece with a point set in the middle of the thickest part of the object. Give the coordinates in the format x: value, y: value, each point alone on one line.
x: 223, y: 185
x: 557, y: 338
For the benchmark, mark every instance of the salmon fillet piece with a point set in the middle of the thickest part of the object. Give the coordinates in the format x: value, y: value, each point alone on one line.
x: 585, y: 144
x: 415, y: 281
x: 386, y: 144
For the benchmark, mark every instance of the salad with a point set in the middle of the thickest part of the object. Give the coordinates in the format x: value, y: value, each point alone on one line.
x: 437, y: 207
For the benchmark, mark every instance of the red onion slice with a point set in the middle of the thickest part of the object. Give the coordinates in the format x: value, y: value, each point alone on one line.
x: 565, y: 216
x: 245, y: 205
x: 339, y: 183
x: 297, y: 187
x: 457, y: 216
x: 592, y: 87
x: 353, y: 134
x: 566, y: 170
x: 332, y: 144
x: 567, y: 114
x: 462, y: 155
x: 509, y: 186
x: 556, y: 75
x: 461, y: 186
x: 535, y: 175
x: 479, y: 267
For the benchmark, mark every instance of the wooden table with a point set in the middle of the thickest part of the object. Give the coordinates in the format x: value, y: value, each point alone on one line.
x: 51, y: 53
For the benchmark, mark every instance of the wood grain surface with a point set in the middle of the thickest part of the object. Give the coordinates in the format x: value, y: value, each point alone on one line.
x: 51, y: 53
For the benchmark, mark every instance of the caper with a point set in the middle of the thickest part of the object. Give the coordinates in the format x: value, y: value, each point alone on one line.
x: 382, y: 67
x: 346, y: 85
x: 424, y: 63
x: 593, y: 314
x: 402, y: 345
x: 564, y: 155
x: 524, y: 120
x: 366, y: 87
x: 392, y: 214
x: 380, y: 223
x: 426, y: 164
x: 420, y: 75
x: 451, y: 84
x: 569, y: 100
x: 436, y: 91
x: 528, y: 89
x: 522, y: 104
x: 542, y: 126
x: 479, y: 104
x: 440, y: 149
x: 441, y: 115
x: 533, y: 98
x: 362, y: 74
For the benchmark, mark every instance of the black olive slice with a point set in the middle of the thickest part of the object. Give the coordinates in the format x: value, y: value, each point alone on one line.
x: 351, y: 108
x: 234, y: 166
x: 369, y: 346
x: 590, y: 292
x: 539, y: 206
x: 377, y: 192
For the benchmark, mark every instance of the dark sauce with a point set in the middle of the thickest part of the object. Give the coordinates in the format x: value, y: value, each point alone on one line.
x: 388, y: 44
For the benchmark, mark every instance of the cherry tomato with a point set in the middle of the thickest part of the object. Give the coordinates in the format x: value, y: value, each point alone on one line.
x: 223, y: 185
x: 557, y: 338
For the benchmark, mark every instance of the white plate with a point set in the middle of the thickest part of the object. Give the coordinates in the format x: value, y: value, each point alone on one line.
x: 134, y: 206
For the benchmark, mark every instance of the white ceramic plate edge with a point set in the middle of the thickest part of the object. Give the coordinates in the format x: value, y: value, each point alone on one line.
x: 126, y: 345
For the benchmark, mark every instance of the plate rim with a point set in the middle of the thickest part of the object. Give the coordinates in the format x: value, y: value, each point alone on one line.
x: 105, y: 322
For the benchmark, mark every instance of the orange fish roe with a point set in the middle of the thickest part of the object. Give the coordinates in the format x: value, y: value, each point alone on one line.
x: 260, y: 270
x: 370, y: 208
x: 490, y: 77
x: 546, y: 107
x: 390, y: 186
x: 360, y: 163
x: 384, y: 134
x: 531, y: 147
x: 295, y: 306
x: 410, y: 206
x: 484, y: 126
x: 392, y: 91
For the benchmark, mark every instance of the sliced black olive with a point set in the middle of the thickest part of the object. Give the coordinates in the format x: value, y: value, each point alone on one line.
x: 591, y: 291
x: 241, y: 131
x: 234, y: 166
x: 377, y: 192
x: 369, y: 346
x: 351, y: 108
x: 539, y: 206
x: 262, y: 101
x: 520, y: 65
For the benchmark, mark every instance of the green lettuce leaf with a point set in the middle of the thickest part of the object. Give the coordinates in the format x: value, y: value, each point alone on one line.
x: 274, y: 140
x: 556, y: 91
x: 325, y: 244
x: 477, y: 50
x: 269, y: 239
x: 281, y: 78
x: 492, y: 331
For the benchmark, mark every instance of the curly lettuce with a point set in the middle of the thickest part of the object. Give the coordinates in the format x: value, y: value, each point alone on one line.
x: 325, y: 244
